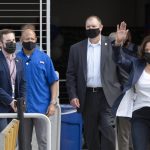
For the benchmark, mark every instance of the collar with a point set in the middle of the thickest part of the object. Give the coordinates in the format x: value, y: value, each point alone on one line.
x: 9, y: 56
x: 91, y: 44
x: 23, y: 53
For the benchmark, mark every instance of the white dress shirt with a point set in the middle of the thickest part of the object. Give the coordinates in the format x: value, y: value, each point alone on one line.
x: 93, y: 64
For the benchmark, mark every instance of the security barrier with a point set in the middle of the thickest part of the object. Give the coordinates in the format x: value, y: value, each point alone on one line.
x: 9, y: 135
x: 53, y: 124
x: 32, y: 115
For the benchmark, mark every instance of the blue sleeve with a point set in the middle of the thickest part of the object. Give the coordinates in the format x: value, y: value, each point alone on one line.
x: 121, y: 60
x: 50, y: 71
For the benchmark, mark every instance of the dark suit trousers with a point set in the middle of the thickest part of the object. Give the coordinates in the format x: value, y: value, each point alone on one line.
x: 98, y: 122
x: 140, y: 128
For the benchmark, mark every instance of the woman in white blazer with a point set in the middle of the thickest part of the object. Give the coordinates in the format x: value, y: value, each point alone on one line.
x: 135, y: 99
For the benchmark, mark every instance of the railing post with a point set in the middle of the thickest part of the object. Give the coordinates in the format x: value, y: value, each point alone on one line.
x: 21, y: 138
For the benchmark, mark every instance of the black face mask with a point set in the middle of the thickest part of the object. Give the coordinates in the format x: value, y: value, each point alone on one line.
x: 10, y: 47
x: 28, y: 45
x: 147, y: 57
x: 92, y: 33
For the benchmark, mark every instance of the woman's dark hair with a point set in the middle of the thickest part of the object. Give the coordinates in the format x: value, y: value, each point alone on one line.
x: 143, y: 45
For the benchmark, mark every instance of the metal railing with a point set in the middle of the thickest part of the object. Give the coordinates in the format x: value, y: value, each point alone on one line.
x: 33, y: 115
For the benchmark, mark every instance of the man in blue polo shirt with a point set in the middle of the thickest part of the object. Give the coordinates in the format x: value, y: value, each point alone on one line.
x: 41, y: 87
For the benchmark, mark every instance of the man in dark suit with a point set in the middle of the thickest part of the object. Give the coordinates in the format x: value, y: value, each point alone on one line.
x: 12, y: 83
x: 93, y: 85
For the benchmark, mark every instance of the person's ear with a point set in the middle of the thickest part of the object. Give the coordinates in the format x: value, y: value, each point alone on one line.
x: 101, y: 27
x: 1, y: 44
x: 35, y: 39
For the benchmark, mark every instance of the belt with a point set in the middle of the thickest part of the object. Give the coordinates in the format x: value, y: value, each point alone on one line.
x: 94, y: 89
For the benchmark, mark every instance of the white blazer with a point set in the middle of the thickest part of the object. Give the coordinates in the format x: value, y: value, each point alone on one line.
x: 125, y: 108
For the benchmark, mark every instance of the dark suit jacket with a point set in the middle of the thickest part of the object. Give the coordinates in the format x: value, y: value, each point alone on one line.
x: 134, y: 67
x: 5, y: 84
x: 77, y: 72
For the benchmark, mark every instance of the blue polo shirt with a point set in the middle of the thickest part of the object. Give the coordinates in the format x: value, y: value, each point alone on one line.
x: 39, y: 74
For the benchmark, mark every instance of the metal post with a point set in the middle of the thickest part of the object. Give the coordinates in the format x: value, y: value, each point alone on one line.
x: 21, y: 139
x: 48, y: 44
x: 41, y: 25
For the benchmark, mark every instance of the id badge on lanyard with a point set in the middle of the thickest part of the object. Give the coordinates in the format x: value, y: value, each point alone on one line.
x: 13, y: 91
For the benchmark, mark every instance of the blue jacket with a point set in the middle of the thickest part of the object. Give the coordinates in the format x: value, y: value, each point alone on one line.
x: 5, y: 84
x: 134, y: 67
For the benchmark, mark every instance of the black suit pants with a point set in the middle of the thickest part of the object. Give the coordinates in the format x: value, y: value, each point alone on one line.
x: 98, y: 122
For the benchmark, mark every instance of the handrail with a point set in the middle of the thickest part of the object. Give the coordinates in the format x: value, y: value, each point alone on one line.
x: 21, y: 10
x: 20, y: 3
x: 33, y: 115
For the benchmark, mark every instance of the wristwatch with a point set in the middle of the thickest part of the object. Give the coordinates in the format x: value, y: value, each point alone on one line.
x: 54, y: 102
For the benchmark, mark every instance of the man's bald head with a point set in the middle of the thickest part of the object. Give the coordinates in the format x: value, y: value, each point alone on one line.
x: 90, y: 18
x: 28, y: 35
